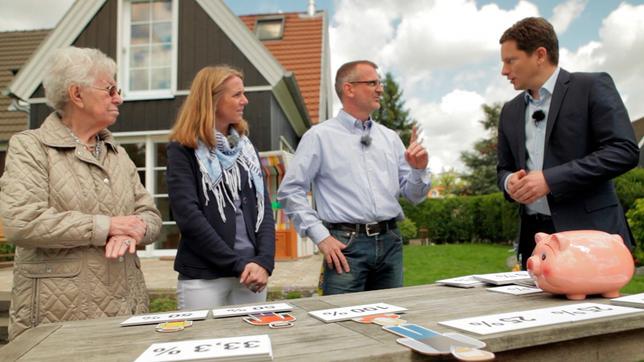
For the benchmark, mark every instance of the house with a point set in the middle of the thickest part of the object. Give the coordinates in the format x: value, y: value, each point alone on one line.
x: 638, y: 126
x: 15, y: 49
x: 159, y: 45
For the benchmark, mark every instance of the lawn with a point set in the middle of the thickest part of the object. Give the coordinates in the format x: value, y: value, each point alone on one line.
x: 426, y: 264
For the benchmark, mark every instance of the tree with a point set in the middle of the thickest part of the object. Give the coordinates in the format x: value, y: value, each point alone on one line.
x: 450, y: 181
x: 392, y: 112
x: 481, y: 162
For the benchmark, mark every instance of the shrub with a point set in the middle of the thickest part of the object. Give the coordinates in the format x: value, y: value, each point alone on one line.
x: 636, y: 220
x: 630, y: 187
x: 163, y: 304
x: 408, y: 230
x: 485, y: 218
x: 7, y: 249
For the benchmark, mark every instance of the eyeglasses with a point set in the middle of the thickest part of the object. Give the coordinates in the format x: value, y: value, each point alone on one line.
x: 371, y: 83
x: 112, y: 90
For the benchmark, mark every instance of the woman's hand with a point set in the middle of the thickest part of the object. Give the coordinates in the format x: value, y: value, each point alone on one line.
x: 130, y: 225
x: 118, y: 245
x: 254, y: 277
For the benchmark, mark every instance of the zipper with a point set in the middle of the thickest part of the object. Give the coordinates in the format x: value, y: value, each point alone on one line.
x: 34, y: 303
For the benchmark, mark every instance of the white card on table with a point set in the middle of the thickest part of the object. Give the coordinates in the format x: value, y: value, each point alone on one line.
x: 467, y: 281
x: 515, y: 289
x: 237, y: 311
x: 165, y: 317
x: 346, y: 313
x: 244, y: 347
x: 635, y: 300
x: 504, y: 278
x: 505, y: 322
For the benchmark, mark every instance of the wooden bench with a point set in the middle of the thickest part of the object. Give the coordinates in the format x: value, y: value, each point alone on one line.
x: 617, y: 338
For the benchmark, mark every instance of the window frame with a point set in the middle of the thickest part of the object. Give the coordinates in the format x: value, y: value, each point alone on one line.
x: 270, y: 19
x: 150, y: 140
x: 123, y: 55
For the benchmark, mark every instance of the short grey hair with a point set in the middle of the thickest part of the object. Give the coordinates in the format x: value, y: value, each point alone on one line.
x: 72, y: 65
x: 347, y: 72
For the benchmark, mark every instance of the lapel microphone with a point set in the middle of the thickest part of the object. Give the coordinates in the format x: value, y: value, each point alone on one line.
x: 538, y: 116
x: 365, y: 140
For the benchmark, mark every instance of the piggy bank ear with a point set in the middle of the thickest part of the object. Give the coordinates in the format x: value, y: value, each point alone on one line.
x: 559, y: 241
x: 541, y: 237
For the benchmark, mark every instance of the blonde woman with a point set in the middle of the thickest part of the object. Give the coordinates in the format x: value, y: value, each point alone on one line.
x: 218, y: 197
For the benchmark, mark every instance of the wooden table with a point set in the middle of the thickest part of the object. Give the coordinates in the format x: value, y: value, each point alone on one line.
x: 617, y: 338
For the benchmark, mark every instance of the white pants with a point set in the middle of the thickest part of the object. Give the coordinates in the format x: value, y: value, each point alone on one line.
x: 193, y: 294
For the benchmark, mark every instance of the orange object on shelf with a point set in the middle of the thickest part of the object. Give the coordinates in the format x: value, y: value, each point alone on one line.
x: 286, y: 244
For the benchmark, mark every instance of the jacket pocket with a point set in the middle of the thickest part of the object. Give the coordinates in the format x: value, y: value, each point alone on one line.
x: 64, y: 268
x: 599, y: 202
x: 55, y: 285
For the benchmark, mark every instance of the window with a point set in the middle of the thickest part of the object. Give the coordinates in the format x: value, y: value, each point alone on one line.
x: 149, y: 156
x: 149, y: 47
x: 269, y: 28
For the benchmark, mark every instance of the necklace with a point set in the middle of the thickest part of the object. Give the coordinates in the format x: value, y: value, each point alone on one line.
x: 95, y: 149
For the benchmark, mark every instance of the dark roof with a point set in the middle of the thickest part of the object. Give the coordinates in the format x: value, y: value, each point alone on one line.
x: 299, y: 51
x: 15, y: 49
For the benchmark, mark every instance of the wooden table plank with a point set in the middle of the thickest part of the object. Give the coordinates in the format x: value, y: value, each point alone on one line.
x: 615, y: 338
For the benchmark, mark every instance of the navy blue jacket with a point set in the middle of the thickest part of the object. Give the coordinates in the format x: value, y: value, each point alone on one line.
x: 206, y: 249
x: 589, y: 141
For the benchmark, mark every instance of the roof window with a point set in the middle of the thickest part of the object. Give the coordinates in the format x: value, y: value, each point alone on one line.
x: 270, y: 28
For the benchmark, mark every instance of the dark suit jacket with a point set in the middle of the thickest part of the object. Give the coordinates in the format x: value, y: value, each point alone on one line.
x: 206, y: 249
x: 589, y: 141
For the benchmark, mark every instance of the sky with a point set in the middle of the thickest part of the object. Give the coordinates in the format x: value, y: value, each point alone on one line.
x: 445, y: 53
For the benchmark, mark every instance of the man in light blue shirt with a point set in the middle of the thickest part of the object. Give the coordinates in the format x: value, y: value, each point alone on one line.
x: 358, y: 169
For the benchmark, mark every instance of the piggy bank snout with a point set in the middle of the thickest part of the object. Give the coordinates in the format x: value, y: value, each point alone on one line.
x: 534, y: 266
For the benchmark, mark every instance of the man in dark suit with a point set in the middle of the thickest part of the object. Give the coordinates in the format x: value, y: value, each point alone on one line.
x: 561, y: 141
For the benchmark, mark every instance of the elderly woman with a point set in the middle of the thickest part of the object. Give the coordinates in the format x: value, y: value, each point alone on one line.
x: 72, y: 203
x: 218, y: 197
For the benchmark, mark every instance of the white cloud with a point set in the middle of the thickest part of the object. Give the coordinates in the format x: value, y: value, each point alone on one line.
x: 24, y: 14
x: 449, y: 126
x: 619, y: 51
x: 565, y: 13
x: 447, y: 34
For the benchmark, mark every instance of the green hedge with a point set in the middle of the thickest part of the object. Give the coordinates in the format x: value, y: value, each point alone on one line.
x: 490, y: 218
x: 630, y: 187
x: 485, y: 218
x: 636, y: 220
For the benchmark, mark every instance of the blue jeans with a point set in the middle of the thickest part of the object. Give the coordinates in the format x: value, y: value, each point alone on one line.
x: 375, y: 263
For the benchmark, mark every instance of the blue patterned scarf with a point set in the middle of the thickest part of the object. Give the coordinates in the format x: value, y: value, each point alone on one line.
x: 220, y: 171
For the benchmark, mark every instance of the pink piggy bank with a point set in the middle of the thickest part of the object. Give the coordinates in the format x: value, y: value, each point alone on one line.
x: 581, y: 262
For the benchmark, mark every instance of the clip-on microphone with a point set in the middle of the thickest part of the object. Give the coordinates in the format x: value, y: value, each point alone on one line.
x: 365, y: 140
x: 538, y: 116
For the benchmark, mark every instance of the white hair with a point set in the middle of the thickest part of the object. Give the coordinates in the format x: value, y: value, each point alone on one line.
x: 72, y: 65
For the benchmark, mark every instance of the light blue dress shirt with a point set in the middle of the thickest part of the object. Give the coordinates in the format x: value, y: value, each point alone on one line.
x: 535, y: 137
x: 352, y: 183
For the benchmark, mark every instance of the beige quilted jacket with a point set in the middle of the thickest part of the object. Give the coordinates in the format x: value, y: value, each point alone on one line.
x: 56, y: 200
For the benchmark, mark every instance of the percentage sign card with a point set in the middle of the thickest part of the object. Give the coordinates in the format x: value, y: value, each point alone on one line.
x: 505, y: 322
x: 243, y: 347
x: 165, y: 317
x: 585, y: 311
x: 237, y: 311
x: 635, y: 300
x: 346, y: 313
